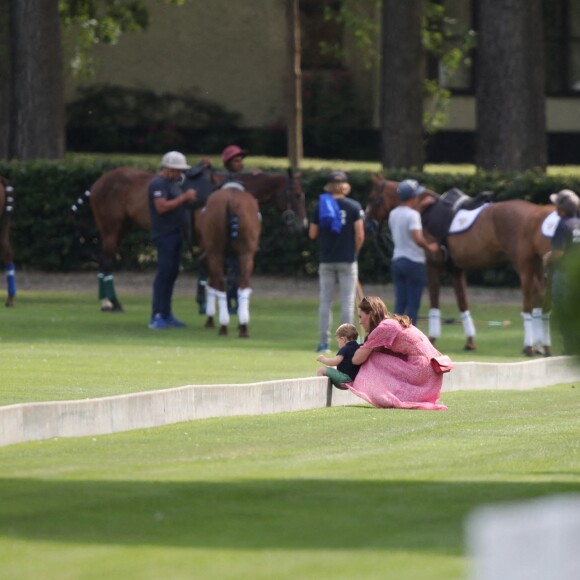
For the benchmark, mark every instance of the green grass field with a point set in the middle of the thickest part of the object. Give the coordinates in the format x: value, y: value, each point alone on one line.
x: 350, y: 492
x: 59, y: 346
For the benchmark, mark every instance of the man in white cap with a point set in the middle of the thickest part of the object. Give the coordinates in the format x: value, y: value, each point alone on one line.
x: 168, y: 219
x: 566, y: 241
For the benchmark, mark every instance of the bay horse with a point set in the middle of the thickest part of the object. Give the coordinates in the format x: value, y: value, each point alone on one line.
x: 505, y: 231
x: 6, y: 210
x: 119, y: 198
x: 231, y: 225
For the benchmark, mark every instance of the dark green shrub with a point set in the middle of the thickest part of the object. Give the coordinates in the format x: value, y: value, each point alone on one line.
x: 45, y: 237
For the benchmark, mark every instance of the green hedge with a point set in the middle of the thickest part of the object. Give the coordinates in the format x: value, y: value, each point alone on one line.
x: 44, y: 235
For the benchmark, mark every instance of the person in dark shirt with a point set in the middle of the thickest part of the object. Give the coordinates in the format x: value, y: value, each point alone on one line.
x: 340, y: 240
x: 345, y: 371
x: 168, y: 220
x: 565, y: 246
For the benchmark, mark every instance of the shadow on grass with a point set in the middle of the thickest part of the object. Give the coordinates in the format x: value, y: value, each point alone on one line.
x: 264, y: 514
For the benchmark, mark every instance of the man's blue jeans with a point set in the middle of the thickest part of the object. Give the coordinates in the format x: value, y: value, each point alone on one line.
x: 409, y: 279
x: 168, y: 260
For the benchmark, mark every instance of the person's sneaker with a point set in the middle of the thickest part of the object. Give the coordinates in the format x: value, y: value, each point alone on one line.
x: 158, y: 322
x: 322, y: 347
x: 172, y: 321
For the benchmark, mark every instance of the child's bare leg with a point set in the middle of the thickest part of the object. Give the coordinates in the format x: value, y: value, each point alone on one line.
x: 321, y: 372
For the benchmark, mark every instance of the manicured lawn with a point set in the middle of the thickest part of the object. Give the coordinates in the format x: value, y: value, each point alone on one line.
x: 350, y: 492
x: 58, y: 345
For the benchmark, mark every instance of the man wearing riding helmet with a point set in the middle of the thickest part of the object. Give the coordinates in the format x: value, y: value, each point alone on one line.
x: 168, y: 219
x: 233, y: 160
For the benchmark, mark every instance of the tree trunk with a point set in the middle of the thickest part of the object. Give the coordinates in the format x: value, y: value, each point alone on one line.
x: 402, y: 85
x: 294, y: 123
x: 5, y: 77
x: 37, y: 103
x: 511, y: 116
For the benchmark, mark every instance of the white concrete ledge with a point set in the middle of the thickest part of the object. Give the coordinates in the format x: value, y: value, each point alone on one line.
x: 36, y: 421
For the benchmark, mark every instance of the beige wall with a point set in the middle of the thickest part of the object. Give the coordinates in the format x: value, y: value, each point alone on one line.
x: 234, y: 52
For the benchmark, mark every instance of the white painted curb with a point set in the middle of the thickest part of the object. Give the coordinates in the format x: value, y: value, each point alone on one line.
x: 36, y: 421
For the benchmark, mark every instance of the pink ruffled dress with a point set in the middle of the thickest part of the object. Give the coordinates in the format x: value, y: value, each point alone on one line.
x: 400, y: 375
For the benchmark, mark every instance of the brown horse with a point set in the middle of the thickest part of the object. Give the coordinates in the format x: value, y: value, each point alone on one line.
x: 230, y: 226
x: 119, y: 198
x: 6, y: 209
x: 506, y: 231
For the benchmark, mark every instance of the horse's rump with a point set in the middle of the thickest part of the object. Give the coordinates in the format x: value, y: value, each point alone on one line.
x: 223, y: 206
x: 119, y: 195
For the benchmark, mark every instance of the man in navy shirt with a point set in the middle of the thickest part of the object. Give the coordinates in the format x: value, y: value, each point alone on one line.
x: 168, y: 219
x: 340, y: 242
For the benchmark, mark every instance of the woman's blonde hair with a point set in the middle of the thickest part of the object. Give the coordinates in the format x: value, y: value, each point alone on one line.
x: 377, y: 311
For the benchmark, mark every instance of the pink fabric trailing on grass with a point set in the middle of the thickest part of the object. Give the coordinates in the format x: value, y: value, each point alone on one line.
x: 399, y: 375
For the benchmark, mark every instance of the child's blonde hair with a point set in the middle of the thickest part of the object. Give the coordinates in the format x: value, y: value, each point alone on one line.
x: 347, y: 331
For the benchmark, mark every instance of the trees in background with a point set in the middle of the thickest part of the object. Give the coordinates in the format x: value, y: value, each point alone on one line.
x: 402, y: 74
x: 511, y: 118
x: 32, y: 110
x: 32, y: 114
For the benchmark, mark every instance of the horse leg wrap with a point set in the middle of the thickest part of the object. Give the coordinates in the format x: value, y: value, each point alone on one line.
x: 101, y: 277
x: 434, y: 323
x: 109, y: 286
x: 547, y: 335
x: 223, y: 308
x: 528, y: 329
x: 11, y: 280
x: 244, y: 305
x: 468, y: 326
x: 537, y: 329
x: 210, y: 305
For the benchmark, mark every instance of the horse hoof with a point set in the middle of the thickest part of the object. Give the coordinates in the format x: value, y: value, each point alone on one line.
x: 223, y: 331
x: 244, y: 331
x: 528, y: 351
x: 469, y: 346
x: 112, y: 308
x: 209, y: 323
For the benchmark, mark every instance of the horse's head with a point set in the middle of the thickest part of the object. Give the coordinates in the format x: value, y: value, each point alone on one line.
x: 382, y: 200
x: 292, y: 203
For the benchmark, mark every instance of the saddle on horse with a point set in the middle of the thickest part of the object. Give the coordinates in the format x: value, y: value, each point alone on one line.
x: 437, y: 218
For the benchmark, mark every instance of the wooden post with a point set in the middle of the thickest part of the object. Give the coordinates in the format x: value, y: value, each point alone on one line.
x: 294, y: 107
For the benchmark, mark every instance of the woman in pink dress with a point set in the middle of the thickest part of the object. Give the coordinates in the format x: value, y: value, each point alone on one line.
x: 395, y: 361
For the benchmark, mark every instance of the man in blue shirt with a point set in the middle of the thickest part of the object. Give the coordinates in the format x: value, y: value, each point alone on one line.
x: 168, y: 220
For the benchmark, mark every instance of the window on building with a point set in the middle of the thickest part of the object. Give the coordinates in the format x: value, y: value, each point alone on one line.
x: 561, y: 40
